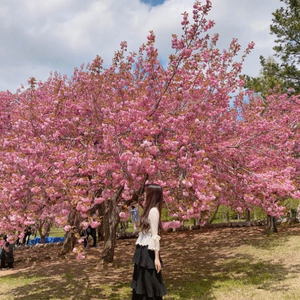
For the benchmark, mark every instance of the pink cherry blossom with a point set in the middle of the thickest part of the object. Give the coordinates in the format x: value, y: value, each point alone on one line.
x: 67, y: 228
x: 68, y: 144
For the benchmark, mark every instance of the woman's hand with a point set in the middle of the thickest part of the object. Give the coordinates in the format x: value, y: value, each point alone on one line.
x: 157, y: 265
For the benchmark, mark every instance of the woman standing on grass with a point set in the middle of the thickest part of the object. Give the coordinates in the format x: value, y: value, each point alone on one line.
x: 147, y: 282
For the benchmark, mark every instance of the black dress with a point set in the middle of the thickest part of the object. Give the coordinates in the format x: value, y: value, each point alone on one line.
x: 146, y: 282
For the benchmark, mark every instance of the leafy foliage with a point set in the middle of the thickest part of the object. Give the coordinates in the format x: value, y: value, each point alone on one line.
x: 286, y: 27
x: 284, y: 74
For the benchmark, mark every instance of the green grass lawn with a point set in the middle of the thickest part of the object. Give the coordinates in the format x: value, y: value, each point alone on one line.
x: 57, y: 232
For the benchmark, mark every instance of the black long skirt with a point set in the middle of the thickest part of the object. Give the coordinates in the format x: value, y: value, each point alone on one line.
x: 146, y: 282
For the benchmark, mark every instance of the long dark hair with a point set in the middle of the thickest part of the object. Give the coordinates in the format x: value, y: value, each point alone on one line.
x: 154, y: 198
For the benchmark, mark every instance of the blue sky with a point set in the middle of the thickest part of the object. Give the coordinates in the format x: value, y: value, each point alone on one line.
x: 153, y: 2
x: 38, y: 37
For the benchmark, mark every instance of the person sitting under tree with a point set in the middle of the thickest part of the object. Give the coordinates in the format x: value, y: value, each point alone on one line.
x: 7, y: 256
x: 90, y: 231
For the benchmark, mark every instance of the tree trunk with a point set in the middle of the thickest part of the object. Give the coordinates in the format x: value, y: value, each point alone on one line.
x: 47, y: 229
x: 248, y: 217
x: 271, y: 224
x: 100, y: 232
x: 39, y: 227
x: 213, y: 216
x: 69, y: 242
x: 100, y: 227
x: 43, y: 228
x: 72, y: 235
x: 227, y: 217
x: 42, y: 238
x: 110, y: 222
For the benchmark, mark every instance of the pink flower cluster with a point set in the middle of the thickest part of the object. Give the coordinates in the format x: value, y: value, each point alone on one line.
x: 172, y: 224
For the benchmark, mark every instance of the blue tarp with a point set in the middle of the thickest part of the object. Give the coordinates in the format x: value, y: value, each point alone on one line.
x: 48, y: 240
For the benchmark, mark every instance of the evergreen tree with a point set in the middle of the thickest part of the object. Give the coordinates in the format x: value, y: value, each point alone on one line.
x: 286, y: 27
x: 285, y: 74
x: 269, y: 78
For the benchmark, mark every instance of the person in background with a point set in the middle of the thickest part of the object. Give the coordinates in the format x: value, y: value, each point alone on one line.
x: 7, y: 256
x: 27, y: 234
x: 90, y: 232
x: 134, y: 217
x: 147, y: 282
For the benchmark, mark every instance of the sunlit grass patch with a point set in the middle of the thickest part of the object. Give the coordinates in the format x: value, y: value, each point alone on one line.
x: 115, y: 291
x: 16, y: 280
x: 194, y: 289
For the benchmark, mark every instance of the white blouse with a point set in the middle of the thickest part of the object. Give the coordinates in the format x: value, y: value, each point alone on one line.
x: 151, y: 237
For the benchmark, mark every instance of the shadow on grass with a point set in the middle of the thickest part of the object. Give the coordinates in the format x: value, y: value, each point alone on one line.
x: 267, y: 241
x: 201, y: 267
x: 67, y: 286
x: 67, y: 278
x: 199, y: 281
x: 197, y: 264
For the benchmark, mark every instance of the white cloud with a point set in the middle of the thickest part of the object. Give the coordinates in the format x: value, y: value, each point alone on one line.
x: 42, y: 36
